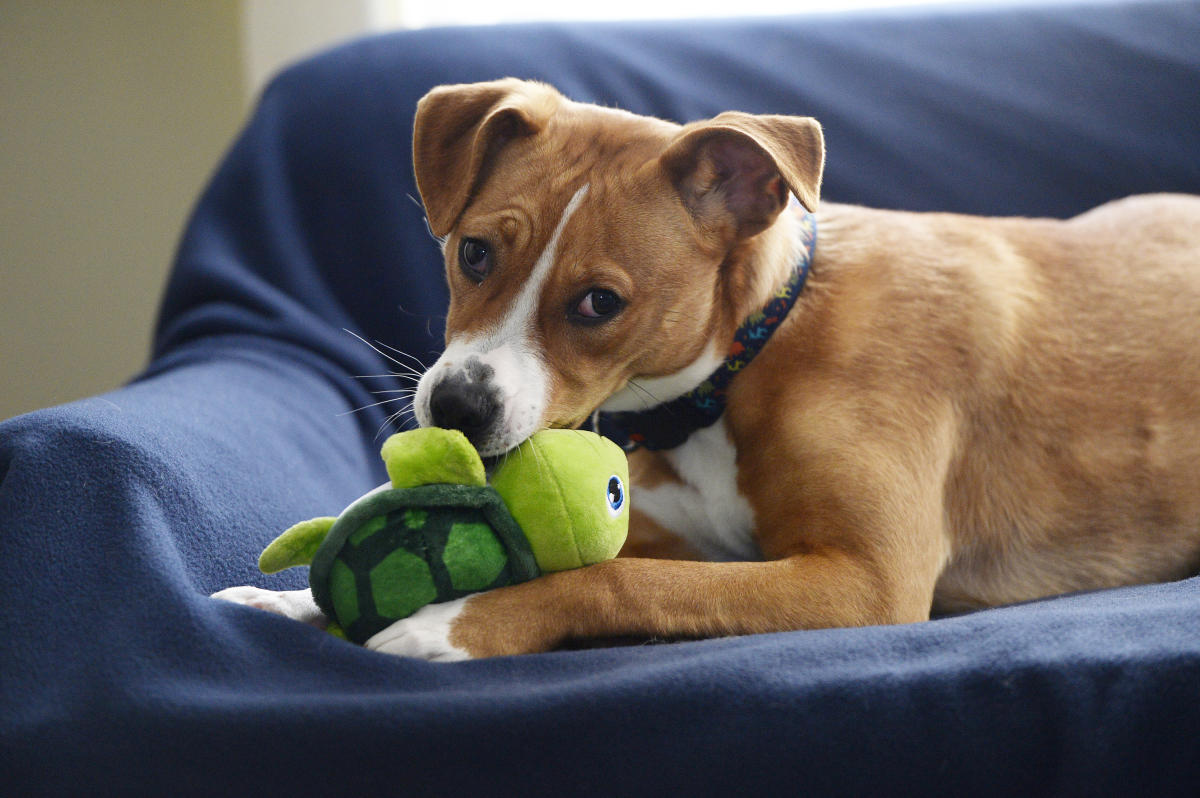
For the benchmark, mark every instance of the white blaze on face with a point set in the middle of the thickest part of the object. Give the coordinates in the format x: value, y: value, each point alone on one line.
x: 518, y: 370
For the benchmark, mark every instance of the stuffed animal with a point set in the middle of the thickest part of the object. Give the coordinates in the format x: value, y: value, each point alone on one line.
x: 439, y: 531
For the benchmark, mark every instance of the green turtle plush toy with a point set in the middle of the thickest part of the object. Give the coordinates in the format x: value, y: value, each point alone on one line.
x: 439, y: 531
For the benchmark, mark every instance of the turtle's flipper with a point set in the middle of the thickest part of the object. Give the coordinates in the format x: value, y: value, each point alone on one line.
x: 296, y: 546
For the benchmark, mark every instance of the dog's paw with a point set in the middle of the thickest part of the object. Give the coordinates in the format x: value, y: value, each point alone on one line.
x: 425, y: 634
x: 295, y: 604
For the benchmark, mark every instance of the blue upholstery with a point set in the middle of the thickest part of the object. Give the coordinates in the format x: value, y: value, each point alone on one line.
x: 120, y: 514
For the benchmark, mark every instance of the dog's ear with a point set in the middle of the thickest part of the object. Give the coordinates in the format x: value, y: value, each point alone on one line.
x: 456, y: 130
x: 734, y: 171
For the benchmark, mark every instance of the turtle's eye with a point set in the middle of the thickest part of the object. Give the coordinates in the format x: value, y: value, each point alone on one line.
x: 615, y: 496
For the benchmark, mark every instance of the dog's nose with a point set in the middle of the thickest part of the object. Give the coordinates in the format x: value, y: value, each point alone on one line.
x: 465, y: 405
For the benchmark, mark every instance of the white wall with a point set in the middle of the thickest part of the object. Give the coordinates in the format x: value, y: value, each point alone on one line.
x: 277, y: 32
x: 114, y: 115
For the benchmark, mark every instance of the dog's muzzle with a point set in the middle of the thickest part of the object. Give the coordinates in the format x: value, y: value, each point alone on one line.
x: 468, y: 402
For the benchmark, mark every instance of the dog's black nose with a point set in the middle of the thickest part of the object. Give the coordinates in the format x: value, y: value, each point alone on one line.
x: 465, y: 405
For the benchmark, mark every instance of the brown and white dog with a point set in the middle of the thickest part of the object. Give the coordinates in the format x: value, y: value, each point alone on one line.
x: 957, y: 412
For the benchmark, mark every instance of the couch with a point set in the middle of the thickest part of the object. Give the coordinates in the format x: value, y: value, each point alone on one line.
x: 263, y: 404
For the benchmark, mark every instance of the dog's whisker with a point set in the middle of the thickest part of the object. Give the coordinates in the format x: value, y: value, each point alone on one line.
x: 589, y: 440
x: 441, y: 240
x: 539, y: 461
x: 410, y: 374
x: 396, y: 420
x: 409, y: 379
x: 376, y: 404
x: 402, y: 353
x: 646, y: 394
x: 377, y: 350
x: 387, y: 422
x: 414, y: 314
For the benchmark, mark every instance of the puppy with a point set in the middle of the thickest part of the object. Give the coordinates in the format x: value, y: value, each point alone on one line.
x: 854, y: 416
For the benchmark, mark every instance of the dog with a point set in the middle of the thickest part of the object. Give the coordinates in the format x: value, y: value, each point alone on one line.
x: 913, y: 413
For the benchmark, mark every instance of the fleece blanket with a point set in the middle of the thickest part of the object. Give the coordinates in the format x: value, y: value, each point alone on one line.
x: 120, y: 514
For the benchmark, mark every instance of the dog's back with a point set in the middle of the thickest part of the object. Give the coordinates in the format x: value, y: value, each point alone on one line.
x: 1054, y: 368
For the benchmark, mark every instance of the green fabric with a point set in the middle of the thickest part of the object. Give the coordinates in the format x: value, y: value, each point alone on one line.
x: 440, y: 532
x: 343, y: 593
x: 473, y: 556
x: 367, y: 529
x: 555, y: 485
x: 419, y: 523
x: 430, y: 456
x: 401, y: 584
x: 296, y: 546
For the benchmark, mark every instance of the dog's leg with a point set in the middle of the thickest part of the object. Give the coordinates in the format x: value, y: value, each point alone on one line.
x: 295, y: 604
x: 860, y: 547
x: 652, y: 598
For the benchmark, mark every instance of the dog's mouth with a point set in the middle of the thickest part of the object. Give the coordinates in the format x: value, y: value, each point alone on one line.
x: 493, y: 459
x: 491, y: 462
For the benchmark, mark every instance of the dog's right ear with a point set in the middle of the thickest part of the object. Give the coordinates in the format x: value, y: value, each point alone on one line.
x: 457, y: 129
x: 734, y: 172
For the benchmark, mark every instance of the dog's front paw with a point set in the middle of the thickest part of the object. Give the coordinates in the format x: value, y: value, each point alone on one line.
x: 425, y: 634
x: 295, y: 604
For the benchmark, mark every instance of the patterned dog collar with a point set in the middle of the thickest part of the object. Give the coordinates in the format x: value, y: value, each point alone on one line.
x: 667, y: 425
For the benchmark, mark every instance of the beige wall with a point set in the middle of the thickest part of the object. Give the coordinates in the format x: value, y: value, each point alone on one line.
x: 112, y: 116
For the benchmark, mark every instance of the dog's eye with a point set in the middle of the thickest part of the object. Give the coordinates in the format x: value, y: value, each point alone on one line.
x: 474, y: 258
x: 599, y: 303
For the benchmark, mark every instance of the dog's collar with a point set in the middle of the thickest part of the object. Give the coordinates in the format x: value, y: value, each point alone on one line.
x: 667, y: 425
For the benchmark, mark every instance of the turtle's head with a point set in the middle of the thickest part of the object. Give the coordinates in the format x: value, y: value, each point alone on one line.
x: 569, y: 491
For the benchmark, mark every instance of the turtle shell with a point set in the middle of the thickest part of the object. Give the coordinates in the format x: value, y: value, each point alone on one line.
x: 394, y: 551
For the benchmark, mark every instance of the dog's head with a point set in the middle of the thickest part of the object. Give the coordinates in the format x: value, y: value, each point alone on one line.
x: 587, y: 247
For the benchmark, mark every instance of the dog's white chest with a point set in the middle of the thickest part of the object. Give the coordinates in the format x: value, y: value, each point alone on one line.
x: 706, y: 509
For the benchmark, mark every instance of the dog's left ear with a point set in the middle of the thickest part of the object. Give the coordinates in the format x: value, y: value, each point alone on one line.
x: 734, y: 172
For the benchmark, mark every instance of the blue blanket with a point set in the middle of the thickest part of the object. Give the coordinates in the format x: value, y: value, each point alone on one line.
x: 120, y: 514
